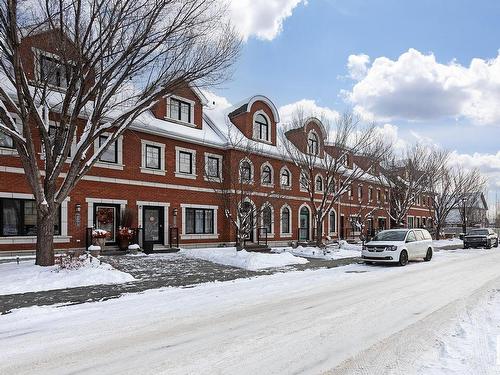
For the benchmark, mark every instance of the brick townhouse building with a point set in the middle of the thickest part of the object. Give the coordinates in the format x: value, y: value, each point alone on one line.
x: 169, y: 167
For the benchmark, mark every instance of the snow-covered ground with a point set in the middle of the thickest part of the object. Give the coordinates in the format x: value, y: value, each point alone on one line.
x: 243, y: 259
x: 313, y: 252
x: 27, y: 277
x: 386, y: 318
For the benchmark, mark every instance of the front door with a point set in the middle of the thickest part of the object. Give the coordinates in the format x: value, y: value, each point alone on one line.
x: 107, y: 217
x: 304, y: 224
x: 342, y: 227
x: 153, y: 219
x: 248, y: 223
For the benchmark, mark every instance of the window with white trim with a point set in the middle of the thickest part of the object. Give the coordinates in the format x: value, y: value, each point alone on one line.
x: 199, y: 221
x: 110, y: 155
x: 246, y: 171
x: 213, y: 165
x: 333, y: 222
x: 286, y: 179
x: 153, y: 157
x: 18, y: 217
x: 267, y: 218
x: 261, y: 127
x: 370, y: 194
x: 185, y: 162
x: 285, y: 220
x: 53, y: 71
x: 180, y: 110
x: 267, y: 174
x: 319, y: 184
x: 313, y: 143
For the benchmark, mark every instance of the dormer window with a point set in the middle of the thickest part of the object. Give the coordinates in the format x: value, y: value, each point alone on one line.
x: 54, y: 72
x: 180, y: 110
x: 313, y: 144
x: 261, y: 127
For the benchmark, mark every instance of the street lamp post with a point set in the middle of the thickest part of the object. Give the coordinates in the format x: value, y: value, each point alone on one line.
x: 464, y: 221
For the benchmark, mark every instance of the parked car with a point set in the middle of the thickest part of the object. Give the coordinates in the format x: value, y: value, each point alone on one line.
x: 481, y: 237
x: 398, y: 246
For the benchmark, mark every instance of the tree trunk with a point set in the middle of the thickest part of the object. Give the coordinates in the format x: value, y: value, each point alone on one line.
x: 438, y: 231
x: 45, y: 237
x: 319, y: 233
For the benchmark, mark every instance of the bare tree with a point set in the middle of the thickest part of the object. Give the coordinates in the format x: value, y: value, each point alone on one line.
x: 454, y: 185
x: 352, y: 151
x: 113, y: 60
x: 410, y: 176
x: 245, y: 204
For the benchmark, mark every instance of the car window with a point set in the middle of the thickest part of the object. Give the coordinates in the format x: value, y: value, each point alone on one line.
x: 411, y: 237
x: 391, y: 235
x: 419, y: 235
x: 480, y: 232
x: 427, y: 235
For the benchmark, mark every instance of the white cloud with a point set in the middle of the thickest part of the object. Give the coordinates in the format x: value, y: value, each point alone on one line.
x: 310, y: 108
x: 417, y: 87
x: 217, y: 107
x: 390, y: 133
x: 357, y: 65
x: 261, y: 18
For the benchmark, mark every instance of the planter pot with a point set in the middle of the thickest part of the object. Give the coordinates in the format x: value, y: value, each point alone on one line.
x: 101, y: 242
x: 123, y: 243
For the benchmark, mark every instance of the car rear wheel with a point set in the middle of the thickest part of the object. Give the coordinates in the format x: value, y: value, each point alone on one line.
x: 428, y: 256
x: 488, y: 245
x: 403, y: 258
x: 496, y: 243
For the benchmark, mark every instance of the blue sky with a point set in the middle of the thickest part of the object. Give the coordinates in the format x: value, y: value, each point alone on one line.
x: 409, y: 66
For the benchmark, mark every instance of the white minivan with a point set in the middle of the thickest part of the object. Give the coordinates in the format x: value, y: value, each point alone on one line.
x: 398, y: 246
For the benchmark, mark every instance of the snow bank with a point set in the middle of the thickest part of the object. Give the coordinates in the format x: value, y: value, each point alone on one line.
x: 314, y: 252
x: 350, y: 246
x: 27, y: 277
x: 243, y: 259
x: 452, y: 241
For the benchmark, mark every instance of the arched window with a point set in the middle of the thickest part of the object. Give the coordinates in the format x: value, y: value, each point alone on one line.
x: 333, y: 222
x: 319, y: 183
x: 267, y: 175
x: 304, y: 182
x: 285, y: 220
x: 245, y: 171
x: 267, y: 218
x: 261, y: 127
x: 285, y: 178
x: 312, y: 142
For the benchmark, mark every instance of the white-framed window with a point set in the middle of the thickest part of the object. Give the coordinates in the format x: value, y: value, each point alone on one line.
x: 153, y: 157
x: 261, y: 126
x: 319, y: 184
x: 199, y: 221
x: 370, y: 194
x: 378, y: 195
x: 266, y: 173
x: 313, y: 143
x: 349, y: 191
x: 386, y: 196
x: 51, y: 70
x: 410, y: 221
x: 7, y: 146
x: 267, y: 221
x: 185, y: 163
x: 360, y: 192
x: 285, y: 178
x: 180, y: 109
x: 112, y: 157
x: 304, y: 182
x: 213, y: 166
x: 332, y: 222
x: 286, y: 221
x: 246, y: 171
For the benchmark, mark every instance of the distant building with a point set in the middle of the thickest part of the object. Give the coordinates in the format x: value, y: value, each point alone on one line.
x: 476, y: 210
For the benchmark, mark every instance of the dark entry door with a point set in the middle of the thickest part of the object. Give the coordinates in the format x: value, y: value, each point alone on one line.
x: 153, y: 219
x: 342, y: 227
x: 304, y: 224
x: 107, y: 217
x: 249, y: 224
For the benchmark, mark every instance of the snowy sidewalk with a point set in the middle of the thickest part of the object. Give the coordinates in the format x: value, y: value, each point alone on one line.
x: 151, y: 272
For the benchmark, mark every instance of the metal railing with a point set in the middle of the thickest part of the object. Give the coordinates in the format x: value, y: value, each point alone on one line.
x: 261, y: 233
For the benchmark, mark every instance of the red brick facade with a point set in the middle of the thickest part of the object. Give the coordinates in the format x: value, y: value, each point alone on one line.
x: 169, y: 193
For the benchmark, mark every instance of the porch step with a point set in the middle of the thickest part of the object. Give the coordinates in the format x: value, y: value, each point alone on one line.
x: 257, y: 248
